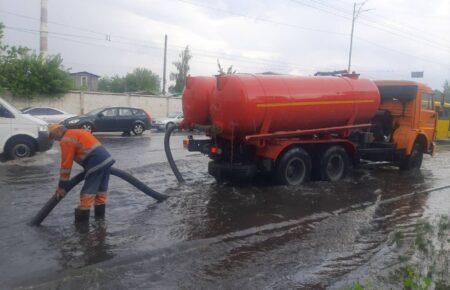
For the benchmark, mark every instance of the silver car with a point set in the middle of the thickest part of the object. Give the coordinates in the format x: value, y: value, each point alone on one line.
x: 161, y: 124
x: 48, y: 114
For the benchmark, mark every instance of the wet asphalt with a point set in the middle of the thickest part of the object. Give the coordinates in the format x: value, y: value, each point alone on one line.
x: 206, y: 235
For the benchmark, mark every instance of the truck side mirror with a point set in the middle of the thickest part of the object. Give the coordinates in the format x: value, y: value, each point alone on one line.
x: 100, y: 115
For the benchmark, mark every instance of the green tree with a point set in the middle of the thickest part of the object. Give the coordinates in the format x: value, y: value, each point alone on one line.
x: 229, y: 70
x: 180, y: 76
x: 1, y: 35
x: 140, y: 80
x: 26, y: 74
x: 446, y: 91
x: 1, y: 52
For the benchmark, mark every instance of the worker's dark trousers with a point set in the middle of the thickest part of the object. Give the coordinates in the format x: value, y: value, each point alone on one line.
x: 95, y: 188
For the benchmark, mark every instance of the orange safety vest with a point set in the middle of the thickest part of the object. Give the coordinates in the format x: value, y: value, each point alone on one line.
x: 76, y: 144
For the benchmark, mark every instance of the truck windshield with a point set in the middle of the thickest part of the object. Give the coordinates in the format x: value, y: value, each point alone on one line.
x: 428, y: 101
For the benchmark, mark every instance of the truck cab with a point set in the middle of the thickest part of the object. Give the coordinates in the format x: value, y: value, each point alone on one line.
x: 21, y: 135
x: 406, y: 120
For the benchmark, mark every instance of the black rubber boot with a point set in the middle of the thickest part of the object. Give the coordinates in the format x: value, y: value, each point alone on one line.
x: 81, y: 215
x: 100, y: 211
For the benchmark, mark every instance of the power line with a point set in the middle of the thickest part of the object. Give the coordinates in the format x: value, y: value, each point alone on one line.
x: 373, y: 43
x: 208, y: 56
x: 373, y: 24
x: 197, y: 51
x: 213, y: 56
x: 404, y: 53
x: 262, y: 19
x: 212, y: 62
x: 405, y: 26
x: 52, y: 22
x: 135, y: 41
x: 221, y: 55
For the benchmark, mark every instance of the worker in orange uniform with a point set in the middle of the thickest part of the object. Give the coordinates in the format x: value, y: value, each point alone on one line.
x: 86, y: 150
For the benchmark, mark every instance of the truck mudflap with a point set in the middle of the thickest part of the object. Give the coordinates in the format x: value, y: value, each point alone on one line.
x: 235, y: 173
x: 431, y: 148
x: 202, y: 145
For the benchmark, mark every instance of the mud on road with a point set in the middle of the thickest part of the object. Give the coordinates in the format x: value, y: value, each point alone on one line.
x: 208, y: 235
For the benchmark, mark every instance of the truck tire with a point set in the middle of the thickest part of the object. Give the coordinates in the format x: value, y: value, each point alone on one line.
x: 293, y: 167
x: 19, y: 148
x: 413, y: 161
x: 334, y: 162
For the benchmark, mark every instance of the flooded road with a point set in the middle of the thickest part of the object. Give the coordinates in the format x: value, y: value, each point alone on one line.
x: 208, y: 235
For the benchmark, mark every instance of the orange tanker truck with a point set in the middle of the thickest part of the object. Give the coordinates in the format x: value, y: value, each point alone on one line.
x: 300, y: 128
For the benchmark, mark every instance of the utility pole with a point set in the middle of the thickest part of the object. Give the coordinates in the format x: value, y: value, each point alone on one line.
x: 351, y: 39
x: 165, y: 64
x: 43, y: 45
x: 164, y: 75
x: 356, y: 12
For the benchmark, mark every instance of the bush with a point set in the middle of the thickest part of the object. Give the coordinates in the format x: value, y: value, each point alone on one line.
x: 140, y: 80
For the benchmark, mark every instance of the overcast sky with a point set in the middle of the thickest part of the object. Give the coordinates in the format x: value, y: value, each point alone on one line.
x: 392, y: 38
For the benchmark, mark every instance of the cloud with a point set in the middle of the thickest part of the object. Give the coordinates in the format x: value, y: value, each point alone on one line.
x: 392, y: 40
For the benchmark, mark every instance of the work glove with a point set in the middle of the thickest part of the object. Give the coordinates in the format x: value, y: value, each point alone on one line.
x: 60, y: 193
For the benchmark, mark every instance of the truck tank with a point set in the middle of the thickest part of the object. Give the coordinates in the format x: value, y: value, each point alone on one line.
x: 242, y: 103
x: 196, y: 101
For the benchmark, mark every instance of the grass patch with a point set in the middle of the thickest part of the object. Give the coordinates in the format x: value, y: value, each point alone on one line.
x: 423, y: 262
x: 357, y: 286
x: 422, y: 241
x: 443, y: 226
x: 398, y: 238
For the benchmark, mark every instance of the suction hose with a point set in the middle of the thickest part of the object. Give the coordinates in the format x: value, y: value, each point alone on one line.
x: 169, y: 156
x: 54, y: 200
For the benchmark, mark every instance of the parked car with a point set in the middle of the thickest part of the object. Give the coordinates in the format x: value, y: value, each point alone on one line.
x: 21, y: 135
x: 171, y: 120
x: 48, y: 114
x: 112, y: 119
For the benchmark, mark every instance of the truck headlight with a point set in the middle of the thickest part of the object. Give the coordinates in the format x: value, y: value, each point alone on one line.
x: 42, y: 128
x: 74, y: 121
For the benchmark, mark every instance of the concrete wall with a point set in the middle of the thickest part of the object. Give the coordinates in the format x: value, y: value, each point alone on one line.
x: 82, y: 102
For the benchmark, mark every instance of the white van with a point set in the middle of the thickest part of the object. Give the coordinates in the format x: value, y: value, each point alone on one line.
x: 21, y: 135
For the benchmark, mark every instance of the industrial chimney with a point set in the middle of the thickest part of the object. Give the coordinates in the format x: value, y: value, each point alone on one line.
x: 44, y: 29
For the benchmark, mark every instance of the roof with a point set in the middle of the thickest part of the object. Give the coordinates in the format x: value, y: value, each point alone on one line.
x: 395, y: 83
x: 420, y: 86
x: 84, y: 73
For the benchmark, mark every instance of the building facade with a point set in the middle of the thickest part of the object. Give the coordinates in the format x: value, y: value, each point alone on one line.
x: 85, y: 81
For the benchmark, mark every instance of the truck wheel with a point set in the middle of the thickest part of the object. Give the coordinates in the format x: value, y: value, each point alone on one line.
x: 20, y: 148
x: 334, y: 164
x: 415, y: 159
x: 294, y: 167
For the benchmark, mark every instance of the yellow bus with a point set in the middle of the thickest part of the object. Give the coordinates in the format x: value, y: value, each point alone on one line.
x: 443, y: 122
